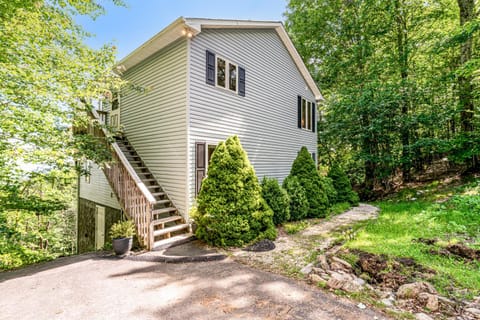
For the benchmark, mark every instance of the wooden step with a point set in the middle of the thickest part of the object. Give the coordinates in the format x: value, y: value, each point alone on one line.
x: 173, y: 241
x: 158, y: 194
x: 149, y: 180
x: 161, y: 222
x: 164, y: 210
x: 153, y: 187
x: 162, y: 201
x: 167, y: 231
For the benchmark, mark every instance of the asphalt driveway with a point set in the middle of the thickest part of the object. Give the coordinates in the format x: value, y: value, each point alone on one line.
x: 95, y: 286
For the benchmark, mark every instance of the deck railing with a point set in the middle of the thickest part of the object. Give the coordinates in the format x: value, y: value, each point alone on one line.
x: 134, y: 197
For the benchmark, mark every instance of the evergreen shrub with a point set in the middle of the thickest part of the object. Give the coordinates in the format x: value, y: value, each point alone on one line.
x: 230, y: 208
x: 304, y: 169
x: 277, y: 199
x: 298, y: 198
x: 342, y: 185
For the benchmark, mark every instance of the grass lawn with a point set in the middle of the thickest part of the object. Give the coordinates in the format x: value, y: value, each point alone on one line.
x: 449, y: 215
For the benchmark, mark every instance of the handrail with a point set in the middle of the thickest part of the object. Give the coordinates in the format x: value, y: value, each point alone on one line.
x: 134, y: 197
x: 134, y: 174
x: 127, y: 164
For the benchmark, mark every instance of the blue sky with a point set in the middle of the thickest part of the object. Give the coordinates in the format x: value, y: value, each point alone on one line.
x: 127, y: 28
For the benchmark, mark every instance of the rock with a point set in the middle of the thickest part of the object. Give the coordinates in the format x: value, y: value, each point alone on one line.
x: 361, y: 306
x: 387, y: 302
x: 307, y: 269
x: 344, y: 264
x: 412, y: 290
x: 430, y: 301
x: 316, y: 279
x: 345, y: 282
x: 322, y: 262
x: 474, y: 312
x: 355, y: 285
x: 422, y: 316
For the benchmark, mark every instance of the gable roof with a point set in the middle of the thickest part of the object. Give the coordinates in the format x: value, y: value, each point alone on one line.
x: 193, y: 26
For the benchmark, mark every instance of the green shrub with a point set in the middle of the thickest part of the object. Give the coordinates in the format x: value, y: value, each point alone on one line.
x: 304, y: 169
x: 277, y: 199
x: 298, y: 198
x: 295, y: 227
x: 342, y: 185
x: 122, y: 229
x: 327, y: 185
x: 230, y: 208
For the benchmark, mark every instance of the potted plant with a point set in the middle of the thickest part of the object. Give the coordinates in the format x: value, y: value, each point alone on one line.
x: 122, y: 233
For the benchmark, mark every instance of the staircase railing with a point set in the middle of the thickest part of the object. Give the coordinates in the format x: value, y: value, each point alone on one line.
x: 134, y: 197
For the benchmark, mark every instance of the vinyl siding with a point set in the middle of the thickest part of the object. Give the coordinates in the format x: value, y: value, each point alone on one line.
x: 266, y: 118
x: 98, y: 190
x: 155, y: 122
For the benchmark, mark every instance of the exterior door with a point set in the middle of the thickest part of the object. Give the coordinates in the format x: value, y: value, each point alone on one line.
x: 99, y: 227
x: 114, y: 120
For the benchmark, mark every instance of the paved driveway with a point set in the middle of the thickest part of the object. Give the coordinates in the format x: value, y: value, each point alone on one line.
x: 101, y: 287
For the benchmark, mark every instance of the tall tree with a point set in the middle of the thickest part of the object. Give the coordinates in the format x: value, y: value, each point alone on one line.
x: 465, y: 90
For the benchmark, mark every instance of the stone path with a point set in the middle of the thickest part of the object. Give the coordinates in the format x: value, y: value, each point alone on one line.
x: 293, y: 252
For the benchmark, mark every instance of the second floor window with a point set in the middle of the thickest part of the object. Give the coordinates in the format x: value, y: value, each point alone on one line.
x: 221, y: 72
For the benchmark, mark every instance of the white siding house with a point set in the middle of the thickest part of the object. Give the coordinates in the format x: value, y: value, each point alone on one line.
x: 206, y: 80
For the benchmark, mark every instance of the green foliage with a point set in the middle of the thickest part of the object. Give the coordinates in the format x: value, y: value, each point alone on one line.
x: 122, y: 229
x: 35, y: 222
x: 298, y: 198
x: 230, y: 208
x: 48, y: 76
x: 342, y: 185
x: 295, y: 227
x: 386, y: 70
x: 277, y: 199
x: 327, y: 185
x: 402, y: 221
x: 304, y: 169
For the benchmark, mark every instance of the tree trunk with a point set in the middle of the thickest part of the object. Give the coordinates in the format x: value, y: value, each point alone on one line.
x: 465, y: 97
x: 402, y: 50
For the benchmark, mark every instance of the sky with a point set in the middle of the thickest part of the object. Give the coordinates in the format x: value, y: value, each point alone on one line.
x: 127, y: 28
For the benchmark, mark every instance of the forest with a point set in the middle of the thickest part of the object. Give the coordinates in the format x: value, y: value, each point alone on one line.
x: 400, y: 82
x: 399, y: 78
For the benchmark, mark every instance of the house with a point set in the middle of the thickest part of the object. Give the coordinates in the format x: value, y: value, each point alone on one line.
x: 206, y: 80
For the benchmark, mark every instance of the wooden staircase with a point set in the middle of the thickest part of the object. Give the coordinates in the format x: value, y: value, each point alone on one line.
x: 167, y: 227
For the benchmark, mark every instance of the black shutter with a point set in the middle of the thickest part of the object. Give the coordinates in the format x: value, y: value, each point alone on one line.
x: 241, y: 81
x: 210, y: 68
x: 314, y: 122
x: 314, y: 158
x: 199, y: 165
x: 299, y: 98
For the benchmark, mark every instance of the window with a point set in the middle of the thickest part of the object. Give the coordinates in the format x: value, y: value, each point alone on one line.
x: 226, y: 74
x: 220, y: 72
x: 223, y: 73
x: 306, y: 114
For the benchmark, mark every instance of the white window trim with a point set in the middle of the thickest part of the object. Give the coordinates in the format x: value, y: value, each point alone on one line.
x: 227, y: 74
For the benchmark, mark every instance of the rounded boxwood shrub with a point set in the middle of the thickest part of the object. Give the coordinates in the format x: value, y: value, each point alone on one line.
x: 342, y: 185
x: 277, y: 199
x: 298, y: 198
x: 304, y: 169
x: 230, y: 208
